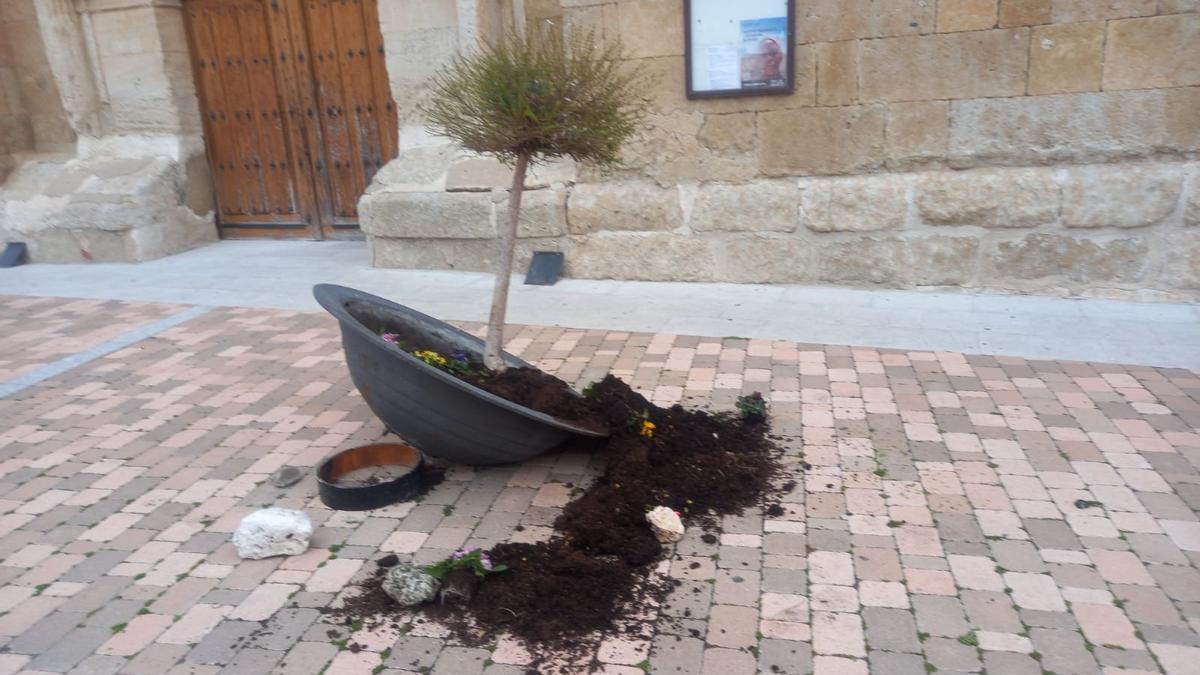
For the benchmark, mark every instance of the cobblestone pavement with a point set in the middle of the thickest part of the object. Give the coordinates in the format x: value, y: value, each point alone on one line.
x: 961, y: 513
x: 37, y: 331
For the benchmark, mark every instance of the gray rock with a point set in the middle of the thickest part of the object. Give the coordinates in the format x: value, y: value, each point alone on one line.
x: 410, y: 585
x: 273, y: 531
x: 286, y: 476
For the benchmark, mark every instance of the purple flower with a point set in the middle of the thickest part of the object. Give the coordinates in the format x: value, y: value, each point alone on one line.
x: 459, y: 355
x: 486, y: 562
x: 462, y: 553
x: 390, y: 337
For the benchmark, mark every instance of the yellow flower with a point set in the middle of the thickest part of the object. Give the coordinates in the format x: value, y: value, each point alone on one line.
x: 647, y: 429
x: 431, y: 357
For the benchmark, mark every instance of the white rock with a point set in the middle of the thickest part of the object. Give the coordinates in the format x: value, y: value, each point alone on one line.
x: 667, y: 526
x: 273, y: 531
x: 410, y: 585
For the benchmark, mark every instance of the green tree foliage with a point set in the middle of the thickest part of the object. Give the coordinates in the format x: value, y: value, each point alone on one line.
x: 542, y: 95
x: 531, y: 97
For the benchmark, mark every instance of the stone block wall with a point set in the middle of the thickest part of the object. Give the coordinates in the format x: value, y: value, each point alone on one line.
x: 106, y: 206
x: 1044, y: 146
x: 101, y: 156
x: 420, y: 36
x: 1116, y: 229
x: 29, y: 108
x: 146, y: 69
x: 16, y: 129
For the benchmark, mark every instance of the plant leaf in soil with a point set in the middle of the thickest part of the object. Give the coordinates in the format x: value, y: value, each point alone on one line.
x: 597, y: 574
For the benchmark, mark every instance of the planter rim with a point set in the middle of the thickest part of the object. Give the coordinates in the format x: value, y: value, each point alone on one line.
x: 367, y: 497
x: 334, y: 298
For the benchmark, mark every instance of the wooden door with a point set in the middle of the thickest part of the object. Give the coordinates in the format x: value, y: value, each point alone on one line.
x: 297, y: 111
x: 358, y: 117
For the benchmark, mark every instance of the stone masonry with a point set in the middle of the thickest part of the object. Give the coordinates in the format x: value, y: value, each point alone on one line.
x: 1042, y: 146
x: 100, y: 150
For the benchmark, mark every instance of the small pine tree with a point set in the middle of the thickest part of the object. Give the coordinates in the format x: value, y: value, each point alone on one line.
x: 532, y: 97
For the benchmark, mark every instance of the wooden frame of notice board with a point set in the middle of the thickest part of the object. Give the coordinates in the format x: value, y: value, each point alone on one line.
x: 739, y: 48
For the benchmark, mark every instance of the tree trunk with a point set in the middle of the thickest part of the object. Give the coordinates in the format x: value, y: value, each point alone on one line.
x: 504, y: 263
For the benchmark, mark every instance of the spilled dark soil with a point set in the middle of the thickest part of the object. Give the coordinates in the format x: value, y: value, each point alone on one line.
x: 540, y: 391
x: 596, y: 574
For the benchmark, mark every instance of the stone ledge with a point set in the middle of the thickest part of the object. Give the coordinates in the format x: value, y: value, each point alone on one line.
x: 484, y: 174
x: 1043, y: 256
x: 1078, y: 128
x: 1121, y: 196
x: 433, y: 215
x: 472, y: 255
x: 855, y: 204
x: 102, y: 208
x: 595, y: 207
x: 656, y: 256
x: 989, y: 197
x: 1036, y: 263
x: 1074, y: 229
x: 761, y: 206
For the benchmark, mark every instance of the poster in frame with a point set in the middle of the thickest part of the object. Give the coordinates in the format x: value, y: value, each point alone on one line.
x: 743, y: 48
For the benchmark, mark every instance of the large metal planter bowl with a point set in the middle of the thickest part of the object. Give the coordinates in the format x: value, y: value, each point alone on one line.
x: 440, y: 414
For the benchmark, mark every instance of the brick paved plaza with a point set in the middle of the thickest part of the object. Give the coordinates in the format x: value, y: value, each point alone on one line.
x: 939, y: 527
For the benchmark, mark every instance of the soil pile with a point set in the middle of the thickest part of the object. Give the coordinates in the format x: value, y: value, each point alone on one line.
x: 696, y: 463
x: 596, y: 574
x: 540, y: 391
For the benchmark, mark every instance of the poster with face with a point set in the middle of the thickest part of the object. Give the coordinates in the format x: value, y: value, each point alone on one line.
x: 738, y: 48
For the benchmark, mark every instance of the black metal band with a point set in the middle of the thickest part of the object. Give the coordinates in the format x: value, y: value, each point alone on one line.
x: 367, y: 497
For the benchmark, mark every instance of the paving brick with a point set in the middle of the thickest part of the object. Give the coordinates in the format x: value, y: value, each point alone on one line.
x: 676, y: 656
x: 1106, y: 625
x: 43, y: 634
x: 136, y: 635
x: 263, y: 602
x: 193, y: 626
x: 784, y: 656
x: 250, y: 661
x: 1035, y: 591
x: 939, y: 615
x: 991, y: 611
x: 732, y: 626
x: 460, y: 660
x: 306, y: 658
x: 1008, y: 662
x: 1063, y: 651
x: 838, y: 633
x: 951, y: 654
x: 155, y: 659
x: 719, y: 661
x: 73, y: 648
x: 985, y: 457
x: 892, y: 630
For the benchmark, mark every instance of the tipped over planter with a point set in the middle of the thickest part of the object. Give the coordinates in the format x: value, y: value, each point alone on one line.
x: 432, y: 409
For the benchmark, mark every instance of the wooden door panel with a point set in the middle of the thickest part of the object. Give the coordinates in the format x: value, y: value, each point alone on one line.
x: 287, y: 36
x: 356, y: 79
x: 263, y: 108
x: 382, y: 105
x: 297, y: 110
x: 349, y: 81
x: 258, y: 186
x: 221, y: 141
x: 234, y: 108
x: 338, y: 160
